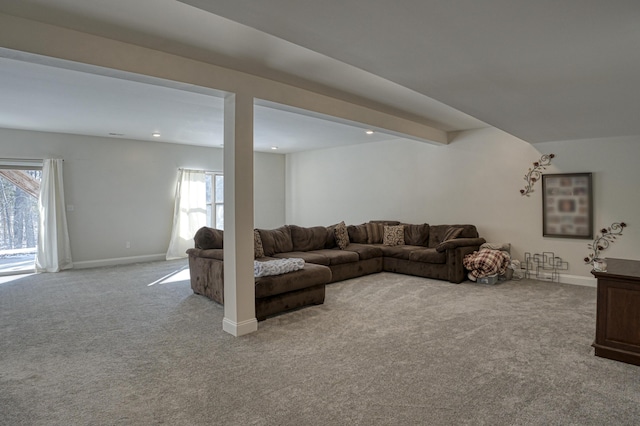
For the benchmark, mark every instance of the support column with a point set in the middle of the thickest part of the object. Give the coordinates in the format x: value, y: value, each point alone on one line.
x: 239, y: 287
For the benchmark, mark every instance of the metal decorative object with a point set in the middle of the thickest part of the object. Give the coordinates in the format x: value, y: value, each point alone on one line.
x: 602, y: 242
x: 533, y: 175
x: 544, y: 266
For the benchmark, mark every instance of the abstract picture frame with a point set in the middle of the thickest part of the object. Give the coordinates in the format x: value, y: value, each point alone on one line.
x: 567, y: 205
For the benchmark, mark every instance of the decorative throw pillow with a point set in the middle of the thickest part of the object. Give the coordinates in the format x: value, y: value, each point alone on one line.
x: 342, y: 236
x: 258, y: 250
x: 374, y: 232
x: 393, y: 235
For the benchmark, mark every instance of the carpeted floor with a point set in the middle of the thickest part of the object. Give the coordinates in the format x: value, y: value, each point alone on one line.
x: 121, y: 346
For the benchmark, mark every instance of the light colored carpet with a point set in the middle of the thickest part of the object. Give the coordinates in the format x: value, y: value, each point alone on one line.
x: 104, y: 347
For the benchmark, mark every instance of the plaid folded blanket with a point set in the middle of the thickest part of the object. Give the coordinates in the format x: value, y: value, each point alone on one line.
x: 486, y: 262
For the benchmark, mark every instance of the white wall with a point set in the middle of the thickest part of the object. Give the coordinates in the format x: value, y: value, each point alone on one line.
x: 476, y: 179
x: 268, y: 190
x: 123, y: 190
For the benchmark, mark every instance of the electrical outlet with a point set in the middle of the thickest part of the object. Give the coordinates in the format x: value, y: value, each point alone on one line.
x: 127, y: 244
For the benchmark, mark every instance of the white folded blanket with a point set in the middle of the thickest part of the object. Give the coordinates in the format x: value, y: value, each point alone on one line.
x: 276, y: 267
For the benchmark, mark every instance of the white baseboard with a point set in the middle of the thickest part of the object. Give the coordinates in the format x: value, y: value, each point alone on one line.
x: 119, y: 261
x: 578, y: 280
x: 239, y: 328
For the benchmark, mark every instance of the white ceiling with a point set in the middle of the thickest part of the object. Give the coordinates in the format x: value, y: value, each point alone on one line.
x: 53, y: 99
x: 540, y: 70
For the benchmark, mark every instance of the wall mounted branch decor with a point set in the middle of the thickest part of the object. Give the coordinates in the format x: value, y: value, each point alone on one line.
x: 533, y: 175
x: 602, y: 241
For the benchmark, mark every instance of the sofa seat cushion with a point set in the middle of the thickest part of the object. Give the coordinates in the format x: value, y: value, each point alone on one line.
x: 308, y: 276
x: 365, y: 251
x: 307, y: 256
x: 399, y: 252
x: 428, y: 255
x: 337, y: 256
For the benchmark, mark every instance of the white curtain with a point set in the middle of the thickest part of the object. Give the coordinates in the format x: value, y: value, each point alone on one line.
x: 190, y: 212
x: 54, y: 249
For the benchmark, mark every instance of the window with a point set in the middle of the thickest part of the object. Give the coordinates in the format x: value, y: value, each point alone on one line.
x: 215, y: 200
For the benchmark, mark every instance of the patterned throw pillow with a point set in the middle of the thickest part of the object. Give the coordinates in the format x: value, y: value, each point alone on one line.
x: 258, y: 250
x: 342, y: 236
x: 393, y: 236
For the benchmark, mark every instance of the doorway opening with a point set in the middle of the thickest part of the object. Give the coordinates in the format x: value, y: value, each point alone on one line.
x: 19, y: 218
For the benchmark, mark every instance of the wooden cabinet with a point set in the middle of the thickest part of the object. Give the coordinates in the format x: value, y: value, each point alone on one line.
x: 618, y: 311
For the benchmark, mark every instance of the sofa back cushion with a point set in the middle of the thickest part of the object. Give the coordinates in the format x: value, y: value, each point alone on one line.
x: 307, y: 239
x: 357, y: 233
x: 416, y: 235
x: 331, y: 237
x: 437, y: 233
x: 375, y: 232
x: 208, y: 238
x: 276, y: 240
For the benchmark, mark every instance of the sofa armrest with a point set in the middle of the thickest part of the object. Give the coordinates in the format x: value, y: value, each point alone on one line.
x: 207, y: 273
x: 455, y: 255
x: 460, y: 242
x: 217, y: 254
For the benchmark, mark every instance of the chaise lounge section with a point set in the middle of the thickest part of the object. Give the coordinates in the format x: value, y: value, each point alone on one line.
x: 335, y: 253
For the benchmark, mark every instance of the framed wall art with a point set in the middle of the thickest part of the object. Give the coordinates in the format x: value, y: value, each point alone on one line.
x: 567, y: 205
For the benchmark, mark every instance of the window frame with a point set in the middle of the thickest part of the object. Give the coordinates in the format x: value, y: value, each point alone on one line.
x: 213, y: 219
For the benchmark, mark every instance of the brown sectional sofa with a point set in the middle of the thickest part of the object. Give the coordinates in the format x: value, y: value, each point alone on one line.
x: 425, y: 253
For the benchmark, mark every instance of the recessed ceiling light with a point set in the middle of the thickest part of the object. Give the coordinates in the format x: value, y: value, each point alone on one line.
x: 369, y: 132
x: 155, y: 134
x: 274, y: 147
